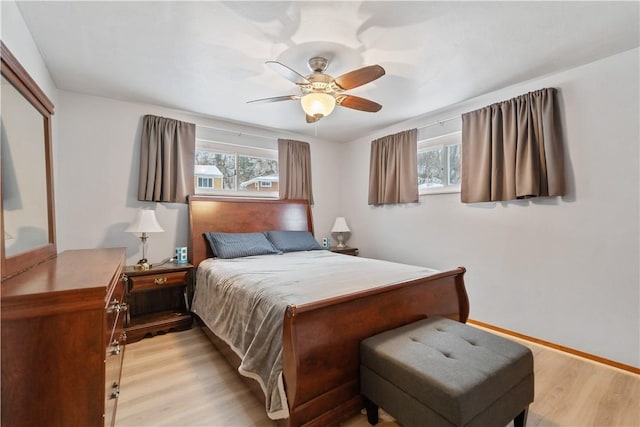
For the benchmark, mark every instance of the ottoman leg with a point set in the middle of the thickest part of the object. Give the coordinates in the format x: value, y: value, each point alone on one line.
x: 372, y: 411
x: 521, y: 419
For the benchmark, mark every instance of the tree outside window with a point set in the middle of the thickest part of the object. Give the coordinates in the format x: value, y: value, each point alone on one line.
x: 439, y: 164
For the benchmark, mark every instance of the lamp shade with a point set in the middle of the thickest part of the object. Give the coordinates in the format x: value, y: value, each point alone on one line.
x: 145, y: 222
x: 315, y: 104
x: 340, y: 226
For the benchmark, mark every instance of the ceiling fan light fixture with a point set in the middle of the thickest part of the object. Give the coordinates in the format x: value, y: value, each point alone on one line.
x: 315, y: 104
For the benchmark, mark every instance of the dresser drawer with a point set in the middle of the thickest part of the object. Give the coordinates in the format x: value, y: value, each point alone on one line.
x: 155, y: 281
x: 115, y: 312
x: 113, y: 371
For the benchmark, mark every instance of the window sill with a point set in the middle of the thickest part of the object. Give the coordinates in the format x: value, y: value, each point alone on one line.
x: 441, y: 190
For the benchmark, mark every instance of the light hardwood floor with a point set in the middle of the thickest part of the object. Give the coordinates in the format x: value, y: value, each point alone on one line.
x: 180, y: 379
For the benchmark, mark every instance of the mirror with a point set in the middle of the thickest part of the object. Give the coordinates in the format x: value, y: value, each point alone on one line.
x: 28, y: 227
x: 24, y: 183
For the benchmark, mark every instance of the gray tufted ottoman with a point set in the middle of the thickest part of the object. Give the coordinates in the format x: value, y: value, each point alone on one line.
x: 439, y: 372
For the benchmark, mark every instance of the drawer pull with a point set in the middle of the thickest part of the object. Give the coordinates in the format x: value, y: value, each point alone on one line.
x: 114, y: 307
x: 160, y: 280
x: 116, y: 391
x: 114, y: 348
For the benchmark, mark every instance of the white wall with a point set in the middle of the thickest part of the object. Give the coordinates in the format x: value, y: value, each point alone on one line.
x: 16, y: 36
x: 565, y: 270
x: 97, y: 177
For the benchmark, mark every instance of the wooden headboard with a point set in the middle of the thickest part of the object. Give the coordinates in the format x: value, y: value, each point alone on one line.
x: 241, y: 215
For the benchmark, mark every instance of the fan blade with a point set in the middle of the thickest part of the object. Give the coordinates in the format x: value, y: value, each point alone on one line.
x: 359, y: 77
x: 274, y: 99
x: 312, y: 119
x: 287, y: 72
x: 358, y: 103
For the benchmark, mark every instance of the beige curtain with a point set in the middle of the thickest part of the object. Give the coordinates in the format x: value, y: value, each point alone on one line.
x: 167, y: 154
x: 513, y: 150
x: 294, y: 163
x: 393, y: 169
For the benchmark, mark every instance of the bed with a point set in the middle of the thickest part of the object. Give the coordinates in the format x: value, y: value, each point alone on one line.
x: 320, y: 339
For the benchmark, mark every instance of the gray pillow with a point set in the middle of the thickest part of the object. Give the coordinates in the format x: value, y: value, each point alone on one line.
x: 293, y: 241
x: 234, y: 245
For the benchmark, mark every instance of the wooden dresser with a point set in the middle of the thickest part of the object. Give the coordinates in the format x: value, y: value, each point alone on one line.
x: 63, y: 340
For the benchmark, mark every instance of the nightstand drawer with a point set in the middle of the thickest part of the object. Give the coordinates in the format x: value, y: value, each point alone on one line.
x: 156, y: 281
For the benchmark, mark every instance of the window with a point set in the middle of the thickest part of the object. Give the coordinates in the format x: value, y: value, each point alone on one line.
x: 205, y: 182
x: 238, y: 170
x: 439, y: 164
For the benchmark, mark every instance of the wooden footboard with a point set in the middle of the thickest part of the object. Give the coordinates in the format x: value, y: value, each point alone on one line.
x: 321, y: 354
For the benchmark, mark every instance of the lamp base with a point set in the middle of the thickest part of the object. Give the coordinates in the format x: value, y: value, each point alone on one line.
x: 341, y: 241
x: 143, y: 264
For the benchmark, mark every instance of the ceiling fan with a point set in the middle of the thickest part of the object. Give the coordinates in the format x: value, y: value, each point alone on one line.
x: 320, y: 92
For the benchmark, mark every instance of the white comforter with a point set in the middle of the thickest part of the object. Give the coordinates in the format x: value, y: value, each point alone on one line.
x: 243, y: 301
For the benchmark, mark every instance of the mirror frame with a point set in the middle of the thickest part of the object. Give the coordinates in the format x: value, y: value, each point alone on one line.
x: 15, y: 73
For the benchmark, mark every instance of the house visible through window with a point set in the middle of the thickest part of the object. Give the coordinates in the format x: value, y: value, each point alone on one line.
x: 229, y: 169
x: 439, y: 164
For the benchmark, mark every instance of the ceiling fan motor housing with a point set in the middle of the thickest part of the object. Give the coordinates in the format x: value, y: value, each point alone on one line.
x: 318, y: 64
x: 318, y: 82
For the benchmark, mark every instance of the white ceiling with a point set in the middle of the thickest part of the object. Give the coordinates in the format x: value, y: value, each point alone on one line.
x: 208, y: 57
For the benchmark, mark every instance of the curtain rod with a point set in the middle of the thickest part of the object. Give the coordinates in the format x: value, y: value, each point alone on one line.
x: 238, y: 133
x: 440, y: 122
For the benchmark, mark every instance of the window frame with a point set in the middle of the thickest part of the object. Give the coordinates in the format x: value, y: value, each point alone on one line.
x: 202, y: 179
x: 237, y: 150
x: 444, y: 142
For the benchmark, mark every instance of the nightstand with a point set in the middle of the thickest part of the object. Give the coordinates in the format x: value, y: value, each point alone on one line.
x: 346, y: 251
x: 158, y: 299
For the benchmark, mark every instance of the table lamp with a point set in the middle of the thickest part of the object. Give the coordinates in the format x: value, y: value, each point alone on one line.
x: 144, y: 222
x: 340, y: 227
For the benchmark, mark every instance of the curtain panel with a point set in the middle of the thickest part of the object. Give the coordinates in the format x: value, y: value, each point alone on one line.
x: 513, y: 150
x: 167, y: 154
x: 393, y: 169
x: 294, y: 164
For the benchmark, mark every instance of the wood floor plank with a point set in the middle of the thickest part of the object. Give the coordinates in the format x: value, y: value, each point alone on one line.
x: 180, y: 379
